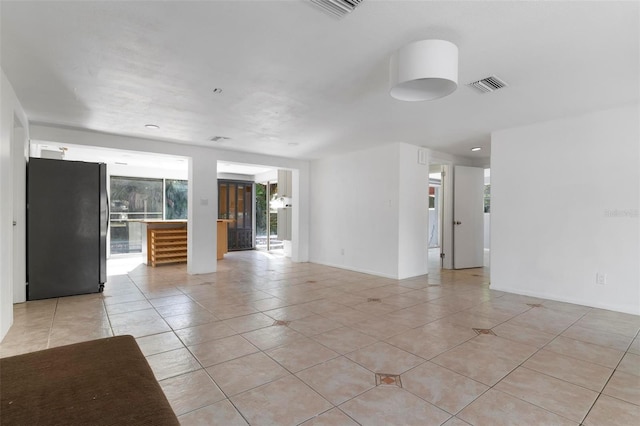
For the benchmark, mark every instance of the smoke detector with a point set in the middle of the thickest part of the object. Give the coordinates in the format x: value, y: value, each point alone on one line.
x: 338, y: 8
x: 488, y: 84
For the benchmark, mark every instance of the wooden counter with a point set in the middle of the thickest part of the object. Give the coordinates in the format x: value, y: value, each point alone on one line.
x: 223, y: 237
x: 164, y: 241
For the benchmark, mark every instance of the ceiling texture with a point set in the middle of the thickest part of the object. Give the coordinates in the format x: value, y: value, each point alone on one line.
x: 297, y: 82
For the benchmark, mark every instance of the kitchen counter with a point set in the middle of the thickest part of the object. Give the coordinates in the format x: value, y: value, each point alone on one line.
x: 149, y: 249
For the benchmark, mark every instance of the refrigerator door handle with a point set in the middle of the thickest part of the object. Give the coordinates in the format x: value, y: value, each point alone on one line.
x: 104, y: 226
x: 108, y: 211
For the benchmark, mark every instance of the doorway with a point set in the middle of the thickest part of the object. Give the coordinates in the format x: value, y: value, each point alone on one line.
x: 453, y: 232
x: 487, y: 217
x: 436, y: 209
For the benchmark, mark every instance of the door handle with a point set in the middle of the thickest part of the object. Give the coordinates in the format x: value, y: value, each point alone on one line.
x: 457, y: 222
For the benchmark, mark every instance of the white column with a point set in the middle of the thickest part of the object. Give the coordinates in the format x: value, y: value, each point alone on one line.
x: 203, y: 214
x: 413, y: 211
x: 300, y: 219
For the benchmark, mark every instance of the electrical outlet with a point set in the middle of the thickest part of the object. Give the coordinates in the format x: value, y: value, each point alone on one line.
x: 601, y: 279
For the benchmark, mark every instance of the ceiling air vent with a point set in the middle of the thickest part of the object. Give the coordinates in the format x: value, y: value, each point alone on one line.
x: 219, y: 139
x: 339, y: 8
x: 489, y: 84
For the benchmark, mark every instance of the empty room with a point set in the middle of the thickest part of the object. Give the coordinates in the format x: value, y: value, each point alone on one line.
x: 320, y: 212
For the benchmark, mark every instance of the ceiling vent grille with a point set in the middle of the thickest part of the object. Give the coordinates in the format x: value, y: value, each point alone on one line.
x: 219, y: 139
x: 489, y: 84
x: 338, y: 8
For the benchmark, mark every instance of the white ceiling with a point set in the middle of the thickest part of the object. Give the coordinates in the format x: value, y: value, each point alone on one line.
x: 299, y: 83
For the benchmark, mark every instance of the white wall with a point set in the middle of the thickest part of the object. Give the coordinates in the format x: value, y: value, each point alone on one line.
x: 234, y: 176
x: 487, y: 230
x: 146, y: 172
x: 271, y: 175
x: 10, y: 111
x: 564, y: 206
x: 19, y: 154
x: 413, y: 212
x: 368, y: 209
x: 354, y: 211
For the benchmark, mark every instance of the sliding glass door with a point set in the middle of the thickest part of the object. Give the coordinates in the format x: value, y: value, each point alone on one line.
x: 267, y: 203
x: 133, y: 199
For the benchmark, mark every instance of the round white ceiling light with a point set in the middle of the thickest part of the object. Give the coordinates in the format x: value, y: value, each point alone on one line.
x: 424, y: 70
x: 152, y: 126
x: 476, y: 148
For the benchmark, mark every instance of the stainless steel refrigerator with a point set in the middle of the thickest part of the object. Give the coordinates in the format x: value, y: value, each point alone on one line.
x: 67, y: 220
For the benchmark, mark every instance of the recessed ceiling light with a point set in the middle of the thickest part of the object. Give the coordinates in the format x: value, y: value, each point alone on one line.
x: 217, y: 90
x: 476, y: 148
x: 152, y: 126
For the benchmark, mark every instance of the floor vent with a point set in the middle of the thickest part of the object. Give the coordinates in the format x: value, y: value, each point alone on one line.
x: 488, y: 85
x: 480, y: 331
x: 337, y: 8
x: 388, y: 379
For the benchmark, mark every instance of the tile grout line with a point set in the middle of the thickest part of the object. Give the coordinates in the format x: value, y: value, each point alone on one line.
x: 531, y: 356
x: 511, y: 371
x: 55, y: 310
x: 104, y: 306
x: 609, y: 379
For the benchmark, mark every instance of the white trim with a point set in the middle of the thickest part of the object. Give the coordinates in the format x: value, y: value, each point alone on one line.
x: 572, y: 300
x: 362, y: 271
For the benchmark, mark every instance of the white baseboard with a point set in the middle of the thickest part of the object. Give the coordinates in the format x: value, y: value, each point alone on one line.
x: 573, y: 300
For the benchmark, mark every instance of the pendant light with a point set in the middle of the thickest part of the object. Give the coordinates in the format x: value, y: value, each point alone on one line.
x: 424, y: 70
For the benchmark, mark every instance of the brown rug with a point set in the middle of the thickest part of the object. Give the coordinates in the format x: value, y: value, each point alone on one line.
x: 101, y: 382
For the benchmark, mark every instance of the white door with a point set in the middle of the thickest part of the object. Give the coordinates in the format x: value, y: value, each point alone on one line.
x: 468, y: 217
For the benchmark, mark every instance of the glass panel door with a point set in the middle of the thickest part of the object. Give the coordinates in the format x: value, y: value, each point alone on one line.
x: 275, y: 202
x: 261, y: 216
x: 235, y: 204
x: 267, y: 203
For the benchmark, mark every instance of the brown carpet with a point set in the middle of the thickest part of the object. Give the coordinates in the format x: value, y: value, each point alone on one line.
x: 101, y: 382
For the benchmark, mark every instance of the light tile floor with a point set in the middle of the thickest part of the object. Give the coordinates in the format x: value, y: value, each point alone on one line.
x: 265, y: 341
